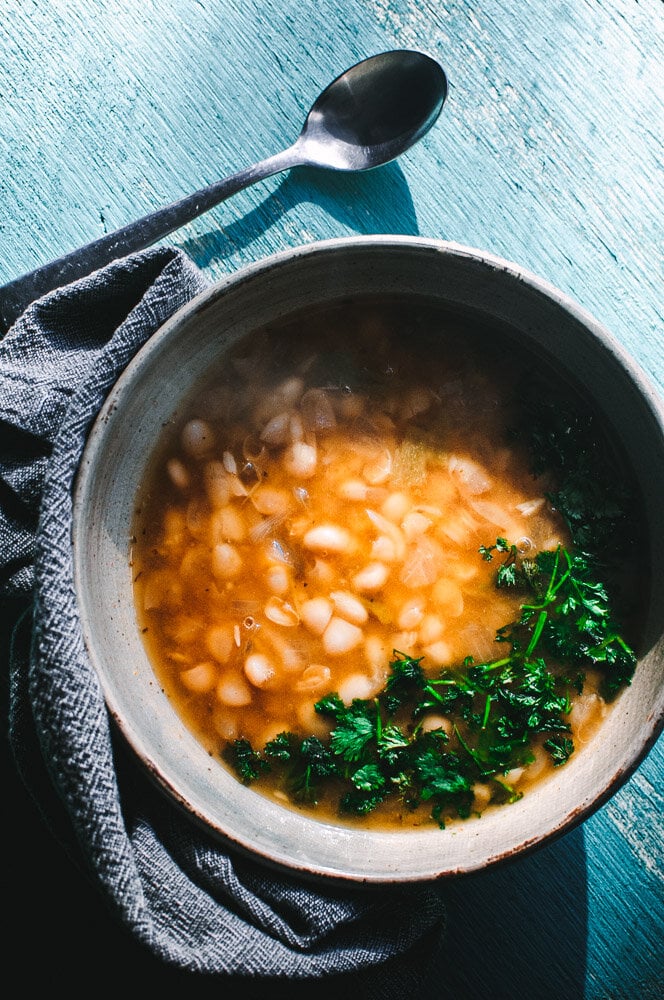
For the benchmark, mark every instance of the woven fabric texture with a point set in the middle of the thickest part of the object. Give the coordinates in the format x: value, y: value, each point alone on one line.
x: 177, y: 890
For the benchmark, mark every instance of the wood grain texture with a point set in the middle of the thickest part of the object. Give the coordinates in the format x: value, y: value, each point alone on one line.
x: 548, y: 152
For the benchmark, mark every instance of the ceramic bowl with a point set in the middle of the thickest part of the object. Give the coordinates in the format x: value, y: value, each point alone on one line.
x: 112, y: 470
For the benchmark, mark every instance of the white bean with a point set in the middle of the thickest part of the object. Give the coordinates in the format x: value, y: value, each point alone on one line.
x: 341, y: 636
x: 234, y: 691
x: 587, y: 710
x: 371, y: 578
x: 328, y: 538
x: 291, y: 389
x: 310, y: 720
x: 464, y: 570
x: 396, y: 506
x: 178, y: 473
x: 276, y: 430
x: 272, y: 500
x: 439, y: 653
x: 198, y: 519
x: 357, y: 686
x: 197, y: 438
x: 296, y: 427
x: 353, y: 489
x: 541, y: 762
x: 300, y: 460
x: 278, y: 579
x: 432, y: 721
x: 225, y: 723
x: 228, y: 525
x: 431, y: 628
x: 349, y: 405
x: 259, y: 670
x: 271, y: 732
x: 200, y: 678
x: 316, y: 614
x: 404, y: 640
x: 384, y: 549
x: 411, y: 613
x: 281, y: 397
x: 175, y: 526
x: 349, y: 607
x: 481, y: 796
x: 183, y: 629
x: 195, y: 564
x: 220, y: 641
x: 226, y: 561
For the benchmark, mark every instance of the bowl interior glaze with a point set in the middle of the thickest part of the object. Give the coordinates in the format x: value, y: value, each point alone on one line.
x: 113, y: 468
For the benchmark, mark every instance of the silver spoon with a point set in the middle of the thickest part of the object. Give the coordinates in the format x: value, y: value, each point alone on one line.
x: 366, y: 117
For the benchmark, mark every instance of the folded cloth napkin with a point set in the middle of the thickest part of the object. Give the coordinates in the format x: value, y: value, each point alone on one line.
x: 179, y: 892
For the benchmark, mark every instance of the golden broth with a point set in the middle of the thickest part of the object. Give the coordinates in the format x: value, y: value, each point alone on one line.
x: 320, y: 503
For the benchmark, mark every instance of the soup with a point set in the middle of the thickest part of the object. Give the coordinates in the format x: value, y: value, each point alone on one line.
x: 333, y: 554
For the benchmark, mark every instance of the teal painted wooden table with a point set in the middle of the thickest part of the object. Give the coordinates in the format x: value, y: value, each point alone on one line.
x: 548, y: 152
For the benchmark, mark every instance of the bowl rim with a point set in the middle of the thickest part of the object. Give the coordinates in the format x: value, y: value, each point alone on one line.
x: 99, y: 434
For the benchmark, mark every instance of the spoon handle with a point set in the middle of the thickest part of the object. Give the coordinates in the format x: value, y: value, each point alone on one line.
x: 17, y: 295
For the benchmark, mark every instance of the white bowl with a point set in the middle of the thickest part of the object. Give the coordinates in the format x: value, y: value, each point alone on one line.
x: 113, y: 468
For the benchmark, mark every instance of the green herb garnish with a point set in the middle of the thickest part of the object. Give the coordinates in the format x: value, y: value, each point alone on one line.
x: 380, y: 747
x: 499, y: 711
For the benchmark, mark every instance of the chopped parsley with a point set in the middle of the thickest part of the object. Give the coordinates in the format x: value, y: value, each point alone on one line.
x: 496, y: 712
x: 380, y: 747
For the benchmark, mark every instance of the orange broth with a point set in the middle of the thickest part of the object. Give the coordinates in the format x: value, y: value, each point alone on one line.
x: 320, y: 502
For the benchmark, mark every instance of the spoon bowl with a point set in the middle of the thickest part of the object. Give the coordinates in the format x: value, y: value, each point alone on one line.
x: 373, y: 112
x: 367, y: 116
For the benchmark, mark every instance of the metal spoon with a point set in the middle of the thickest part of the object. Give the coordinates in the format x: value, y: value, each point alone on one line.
x: 366, y: 117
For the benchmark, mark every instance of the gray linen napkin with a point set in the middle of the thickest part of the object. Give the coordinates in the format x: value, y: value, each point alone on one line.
x: 188, y: 900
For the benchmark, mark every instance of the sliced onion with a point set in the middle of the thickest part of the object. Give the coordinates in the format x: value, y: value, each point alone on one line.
x: 317, y: 411
x: 492, y: 512
x: 469, y: 473
x: 529, y: 507
x: 268, y: 526
x: 378, y: 471
x: 386, y: 527
x: 423, y: 564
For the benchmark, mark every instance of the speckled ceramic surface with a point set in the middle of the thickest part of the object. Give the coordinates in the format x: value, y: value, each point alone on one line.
x: 113, y: 467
